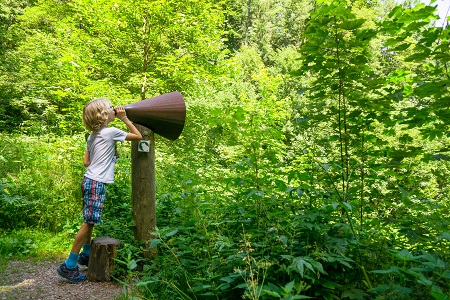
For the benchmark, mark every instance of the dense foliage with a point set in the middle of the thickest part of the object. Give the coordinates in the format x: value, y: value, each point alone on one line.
x: 313, y: 164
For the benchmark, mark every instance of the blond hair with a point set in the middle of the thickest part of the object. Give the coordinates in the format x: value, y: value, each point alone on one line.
x: 95, y: 113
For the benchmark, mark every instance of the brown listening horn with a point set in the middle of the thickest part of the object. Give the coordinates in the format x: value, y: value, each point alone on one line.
x: 165, y: 115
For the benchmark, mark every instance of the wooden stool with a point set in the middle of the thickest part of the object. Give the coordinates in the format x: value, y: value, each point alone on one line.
x: 101, y: 259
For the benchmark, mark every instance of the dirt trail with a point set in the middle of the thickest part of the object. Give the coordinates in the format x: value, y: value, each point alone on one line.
x: 23, y: 280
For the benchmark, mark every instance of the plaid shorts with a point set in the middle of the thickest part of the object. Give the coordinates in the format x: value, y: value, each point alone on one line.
x: 93, y: 199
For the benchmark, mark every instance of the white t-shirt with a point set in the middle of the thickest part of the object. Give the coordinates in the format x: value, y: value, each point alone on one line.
x: 102, y: 147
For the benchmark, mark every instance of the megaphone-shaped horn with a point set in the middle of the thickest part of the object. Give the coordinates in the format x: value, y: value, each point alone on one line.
x: 164, y: 115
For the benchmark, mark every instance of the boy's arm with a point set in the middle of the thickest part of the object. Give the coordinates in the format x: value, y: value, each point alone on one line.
x: 87, y: 159
x: 134, y: 133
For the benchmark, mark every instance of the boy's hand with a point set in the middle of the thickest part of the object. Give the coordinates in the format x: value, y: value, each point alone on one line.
x: 120, y: 112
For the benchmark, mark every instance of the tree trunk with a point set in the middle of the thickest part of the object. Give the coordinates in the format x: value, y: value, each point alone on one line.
x: 101, y: 259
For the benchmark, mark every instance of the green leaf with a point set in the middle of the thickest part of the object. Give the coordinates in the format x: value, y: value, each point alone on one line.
x: 242, y: 285
x: 290, y: 189
x: 429, y: 88
x: 216, y: 112
x: 347, y: 206
x: 396, y: 11
x: 355, y: 294
x: 301, y: 91
x: 442, y: 56
x: 351, y: 24
x: 154, y: 243
x: 173, y: 232
x: 428, y: 257
x: 437, y: 293
x: 404, y: 193
x: 132, y: 264
x: 423, y: 11
x: 446, y: 236
x: 418, y: 56
x: 404, y: 255
x: 330, y: 284
x: 299, y: 264
x: 239, y: 115
x: 401, y: 47
x: 303, y: 120
x: 289, y: 286
x: 424, y: 281
x: 446, y: 274
x: 271, y: 293
x: 365, y: 34
x: 391, y: 270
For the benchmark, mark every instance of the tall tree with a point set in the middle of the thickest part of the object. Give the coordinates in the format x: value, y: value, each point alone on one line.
x: 267, y: 24
x: 9, y: 12
x: 72, y: 51
x: 364, y: 124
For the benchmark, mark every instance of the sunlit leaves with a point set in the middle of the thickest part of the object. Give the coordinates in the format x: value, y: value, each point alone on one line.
x: 87, y: 49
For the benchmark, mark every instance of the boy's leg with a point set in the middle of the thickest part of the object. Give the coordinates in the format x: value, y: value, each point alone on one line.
x: 83, y: 258
x: 93, y: 199
x: 69, y: 269
x: 83, y: 237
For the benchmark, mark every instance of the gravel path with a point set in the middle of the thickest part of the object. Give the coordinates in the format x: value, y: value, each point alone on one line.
x: 23, y: 280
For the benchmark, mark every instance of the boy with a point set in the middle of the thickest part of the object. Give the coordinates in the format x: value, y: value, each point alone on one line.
x: 100, y: 159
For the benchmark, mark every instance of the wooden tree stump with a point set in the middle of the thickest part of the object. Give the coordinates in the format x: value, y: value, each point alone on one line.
x: 101, y: 259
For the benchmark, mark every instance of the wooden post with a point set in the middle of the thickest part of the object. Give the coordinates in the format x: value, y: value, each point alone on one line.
x: 101, y: 259
x: 144, y: 192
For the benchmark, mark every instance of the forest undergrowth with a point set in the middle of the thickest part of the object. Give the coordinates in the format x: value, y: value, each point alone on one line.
x: 233, y: 238
x: 313, y: 164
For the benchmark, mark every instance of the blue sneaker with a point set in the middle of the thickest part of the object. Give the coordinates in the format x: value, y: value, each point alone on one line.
x: 83, y: 259
x: 71, y: 275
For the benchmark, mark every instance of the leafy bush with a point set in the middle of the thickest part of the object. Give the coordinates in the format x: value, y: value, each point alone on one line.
x: 417, y: 276
x: 32, y: 243
x: 40, y: 181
